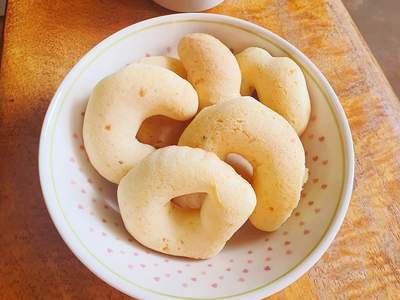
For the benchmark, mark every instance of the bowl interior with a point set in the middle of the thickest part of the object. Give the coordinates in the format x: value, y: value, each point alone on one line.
x: 82, y: 204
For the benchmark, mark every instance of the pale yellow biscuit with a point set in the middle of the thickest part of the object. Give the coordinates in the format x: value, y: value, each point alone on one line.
x: 144, y: 196
x: 211, y: 68
x: 252, y: 130
x: 117, y: 107
x: 279, y: 83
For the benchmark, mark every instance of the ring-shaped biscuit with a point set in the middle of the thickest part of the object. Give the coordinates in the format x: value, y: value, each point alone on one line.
x: 211, y: 68
x: 246, y: 127
x: 280, y: 85
x: 117, y: 107
x: 144, y: 196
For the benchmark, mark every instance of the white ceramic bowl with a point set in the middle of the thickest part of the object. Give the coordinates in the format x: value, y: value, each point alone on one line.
x: 253, y: 264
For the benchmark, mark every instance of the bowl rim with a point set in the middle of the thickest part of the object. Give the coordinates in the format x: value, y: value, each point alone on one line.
x: 104, y: 272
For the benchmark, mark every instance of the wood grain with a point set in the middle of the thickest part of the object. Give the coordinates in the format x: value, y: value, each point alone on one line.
x: 44, y: 39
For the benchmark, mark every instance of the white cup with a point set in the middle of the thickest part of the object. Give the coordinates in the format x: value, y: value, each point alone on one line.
x: 188, y: 5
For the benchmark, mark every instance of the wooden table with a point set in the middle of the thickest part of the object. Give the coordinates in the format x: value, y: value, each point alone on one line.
x: 44, y: 39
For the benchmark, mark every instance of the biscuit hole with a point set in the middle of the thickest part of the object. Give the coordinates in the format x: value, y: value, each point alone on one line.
x: 160, y: 131
x: 189, y: 201
x: 241, y: 165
